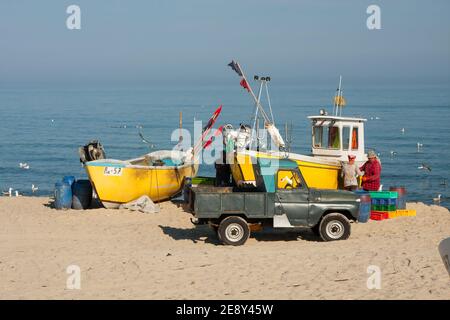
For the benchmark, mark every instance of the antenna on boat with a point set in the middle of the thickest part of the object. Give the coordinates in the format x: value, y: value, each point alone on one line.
x: 263, y: 81
x: 272, y: 130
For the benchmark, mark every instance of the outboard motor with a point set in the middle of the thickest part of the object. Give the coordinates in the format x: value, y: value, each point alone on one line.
x: 92, y: 151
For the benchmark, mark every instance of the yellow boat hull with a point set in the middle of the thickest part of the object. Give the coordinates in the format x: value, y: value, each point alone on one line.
x: 316, y: 173
x: 117, y: 182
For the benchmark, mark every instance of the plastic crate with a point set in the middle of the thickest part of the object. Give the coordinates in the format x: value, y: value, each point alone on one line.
x: 406, y: 213
x: 382, y: 207
x: 379, y: 215
x: 388, y: 202
x: 383, y: 201
x: 203, y: 180
x: 383, y: 194
x: 375, y: 202
x: 392, y: 214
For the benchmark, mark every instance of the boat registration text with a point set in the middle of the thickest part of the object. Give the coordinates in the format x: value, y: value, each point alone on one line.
x: 112, y: 171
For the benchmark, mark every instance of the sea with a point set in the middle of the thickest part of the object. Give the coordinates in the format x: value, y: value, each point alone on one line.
x: 43, y: 126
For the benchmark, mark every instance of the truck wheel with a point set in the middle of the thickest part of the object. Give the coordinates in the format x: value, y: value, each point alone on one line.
x: 334, y: 226
x: 233, y: 231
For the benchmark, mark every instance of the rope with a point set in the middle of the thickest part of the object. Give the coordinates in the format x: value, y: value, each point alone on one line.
x: 270, y: 105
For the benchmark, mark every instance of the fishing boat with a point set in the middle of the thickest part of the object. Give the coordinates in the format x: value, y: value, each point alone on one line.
x: 333, y: 138
x: 160, y: 174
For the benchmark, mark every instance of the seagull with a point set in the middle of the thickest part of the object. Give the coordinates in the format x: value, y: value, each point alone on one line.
x: 34, y: 188
x: 393, y: 153
x: 403, y: 130
x: 17, y: 193
x: 8, y: 193
x: 151, y: 145
x: 377, y: 118
x: 438, y: 199
x: 24, y: 166
x: 424, y: 166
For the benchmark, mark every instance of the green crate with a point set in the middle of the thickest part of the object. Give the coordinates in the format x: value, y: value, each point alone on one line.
x: 383, y: 207
x: 204, y: 180
x: 384, y: 194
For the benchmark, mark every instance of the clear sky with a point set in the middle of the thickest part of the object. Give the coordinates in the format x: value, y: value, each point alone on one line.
x: 180, y: 41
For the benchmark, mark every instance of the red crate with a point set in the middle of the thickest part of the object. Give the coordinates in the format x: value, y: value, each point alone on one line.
x: 379, y: 215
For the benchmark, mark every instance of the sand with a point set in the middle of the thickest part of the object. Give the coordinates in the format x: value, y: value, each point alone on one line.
x: 132, y: 255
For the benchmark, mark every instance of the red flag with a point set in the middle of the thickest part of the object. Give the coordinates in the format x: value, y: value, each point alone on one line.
x: 244, y: 84
x: 207, y: 128
x: 210, y: 140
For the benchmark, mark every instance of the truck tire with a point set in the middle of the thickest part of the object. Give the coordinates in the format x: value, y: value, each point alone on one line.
x: 334, y: 226
x: 233, y: 231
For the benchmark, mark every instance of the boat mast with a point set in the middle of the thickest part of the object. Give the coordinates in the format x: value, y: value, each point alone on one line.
x: 337, y: 98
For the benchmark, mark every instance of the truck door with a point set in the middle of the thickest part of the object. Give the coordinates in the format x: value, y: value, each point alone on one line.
x: 291, y: 197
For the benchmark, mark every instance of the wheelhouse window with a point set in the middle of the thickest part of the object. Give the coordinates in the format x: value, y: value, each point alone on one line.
x: 331, y: 134
x: 318, y: 137
x: 333, y: 138
x: 345, y: 138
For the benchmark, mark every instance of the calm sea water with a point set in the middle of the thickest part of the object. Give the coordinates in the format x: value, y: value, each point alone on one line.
x: 45, y: 126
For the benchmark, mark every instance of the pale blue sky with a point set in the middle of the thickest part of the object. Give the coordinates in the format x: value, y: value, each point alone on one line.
x: 176, y: 41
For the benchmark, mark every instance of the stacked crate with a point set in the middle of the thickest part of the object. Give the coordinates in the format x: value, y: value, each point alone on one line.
x: 384, y: 204
x: 405, y: 213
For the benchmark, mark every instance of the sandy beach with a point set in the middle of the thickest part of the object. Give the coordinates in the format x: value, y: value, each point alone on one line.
x: 132, y: 255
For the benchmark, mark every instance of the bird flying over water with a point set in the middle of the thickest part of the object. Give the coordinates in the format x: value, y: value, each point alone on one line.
x: 151, y: 145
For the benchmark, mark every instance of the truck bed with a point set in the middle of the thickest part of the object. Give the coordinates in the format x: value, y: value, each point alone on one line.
x: 212, y: 202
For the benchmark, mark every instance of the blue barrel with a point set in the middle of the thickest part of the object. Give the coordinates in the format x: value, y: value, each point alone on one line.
x: 82, y: 194
x: 63, y: 195
x: 69, y: 179
x: 401, y: 200
x: 364, y: 206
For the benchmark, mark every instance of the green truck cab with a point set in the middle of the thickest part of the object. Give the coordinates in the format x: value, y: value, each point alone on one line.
x: 281, y: 199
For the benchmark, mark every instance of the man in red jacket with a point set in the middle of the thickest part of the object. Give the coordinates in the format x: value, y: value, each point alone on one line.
x: 372, y: 172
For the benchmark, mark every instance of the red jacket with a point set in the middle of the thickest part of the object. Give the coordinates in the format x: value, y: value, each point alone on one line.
x: 372, y: 172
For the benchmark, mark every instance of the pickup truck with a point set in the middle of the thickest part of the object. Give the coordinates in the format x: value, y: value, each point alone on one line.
x: 282, y: 200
